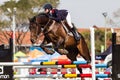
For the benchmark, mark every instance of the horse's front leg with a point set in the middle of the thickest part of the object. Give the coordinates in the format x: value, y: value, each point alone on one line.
x: 59, y: 47
x: 45, y: 42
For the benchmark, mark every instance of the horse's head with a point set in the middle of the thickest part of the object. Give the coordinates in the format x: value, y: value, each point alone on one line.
x: 36, y: 24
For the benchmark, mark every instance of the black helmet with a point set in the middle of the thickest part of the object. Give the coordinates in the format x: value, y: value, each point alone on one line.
x: 47, y: 6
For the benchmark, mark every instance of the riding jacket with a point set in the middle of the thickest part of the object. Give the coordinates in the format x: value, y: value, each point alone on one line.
x: 58, y: 15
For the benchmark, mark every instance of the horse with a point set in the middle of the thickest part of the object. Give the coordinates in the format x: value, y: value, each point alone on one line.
x: 55, y: 33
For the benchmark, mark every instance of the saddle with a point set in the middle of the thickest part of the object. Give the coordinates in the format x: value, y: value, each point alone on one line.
x: 70, y: 30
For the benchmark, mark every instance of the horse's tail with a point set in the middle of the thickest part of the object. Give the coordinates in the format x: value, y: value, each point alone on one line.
x: 83, y: 48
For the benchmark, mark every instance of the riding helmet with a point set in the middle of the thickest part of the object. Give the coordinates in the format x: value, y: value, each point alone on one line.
x: 47, y: 6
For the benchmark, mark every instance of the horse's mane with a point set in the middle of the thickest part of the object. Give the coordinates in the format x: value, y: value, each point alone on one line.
x: 33, y: 19
x: 44, y: 14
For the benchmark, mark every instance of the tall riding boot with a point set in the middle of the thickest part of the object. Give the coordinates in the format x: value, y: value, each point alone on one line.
x: 75, y: 33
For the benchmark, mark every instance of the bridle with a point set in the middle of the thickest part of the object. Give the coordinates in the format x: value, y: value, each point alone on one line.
x: 43, y: 28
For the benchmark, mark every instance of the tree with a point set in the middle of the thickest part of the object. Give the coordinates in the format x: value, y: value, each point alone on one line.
x: 99, y: 39
x: 25, y: 9
x: 114, y: 21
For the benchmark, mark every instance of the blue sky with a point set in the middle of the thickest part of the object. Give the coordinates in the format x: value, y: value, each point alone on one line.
x: 86, y: 13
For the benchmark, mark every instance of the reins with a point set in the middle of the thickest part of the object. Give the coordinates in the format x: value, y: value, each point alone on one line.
x: 46, y: 25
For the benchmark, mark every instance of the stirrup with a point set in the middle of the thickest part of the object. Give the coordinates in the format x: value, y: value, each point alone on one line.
x: 77, y: 38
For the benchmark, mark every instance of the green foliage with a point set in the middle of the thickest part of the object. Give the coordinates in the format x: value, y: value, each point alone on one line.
x: 8, y: 4
x: 109, y: 35
x: 99, y: 39
x: 24, y: 5
x: 24, y: 8
x: 86, y: 35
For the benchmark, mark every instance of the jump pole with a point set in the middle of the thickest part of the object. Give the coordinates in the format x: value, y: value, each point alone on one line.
x: 93, y: 52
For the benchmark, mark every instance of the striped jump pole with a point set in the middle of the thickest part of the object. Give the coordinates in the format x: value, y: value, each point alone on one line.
x: 96, y: 65
x: 72, y: 72
x: 41, y: 63
x: 57, y: 71
x: 61, y: 66
x: 63, y: 76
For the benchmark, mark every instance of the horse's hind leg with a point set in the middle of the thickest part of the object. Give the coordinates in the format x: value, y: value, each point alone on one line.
x: 80, y: 70
x: 73, y: 52
x: 72, y: 56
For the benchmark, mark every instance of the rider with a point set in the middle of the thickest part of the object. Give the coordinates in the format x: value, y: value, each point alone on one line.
x: 60, y: 15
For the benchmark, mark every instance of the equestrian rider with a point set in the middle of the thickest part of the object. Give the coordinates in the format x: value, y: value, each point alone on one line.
x: 59, y: 16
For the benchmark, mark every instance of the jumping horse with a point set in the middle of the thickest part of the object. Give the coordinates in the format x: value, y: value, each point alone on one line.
x: 55, y: 33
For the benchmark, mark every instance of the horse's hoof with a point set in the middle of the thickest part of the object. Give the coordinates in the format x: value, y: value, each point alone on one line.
x: 63, y: 51
x: 50, y: 53
x: 88, y: 62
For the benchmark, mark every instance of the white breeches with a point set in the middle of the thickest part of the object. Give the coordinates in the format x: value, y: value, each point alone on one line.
x: 68, y: 19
